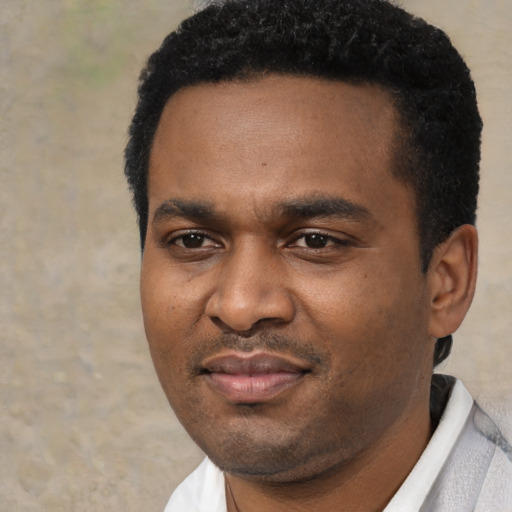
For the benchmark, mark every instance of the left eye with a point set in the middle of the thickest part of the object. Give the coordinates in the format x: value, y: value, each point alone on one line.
x: 316, y: 241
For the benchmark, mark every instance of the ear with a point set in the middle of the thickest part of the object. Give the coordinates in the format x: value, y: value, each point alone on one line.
x: 452, y: 277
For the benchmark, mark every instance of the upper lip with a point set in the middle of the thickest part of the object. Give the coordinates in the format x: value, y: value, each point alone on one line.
x: 252, y: 363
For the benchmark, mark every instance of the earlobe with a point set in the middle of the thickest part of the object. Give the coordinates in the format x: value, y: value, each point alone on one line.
x: 452, y: 277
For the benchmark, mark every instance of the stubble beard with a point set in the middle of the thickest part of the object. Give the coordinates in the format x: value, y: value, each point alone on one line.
x: 252, y: 446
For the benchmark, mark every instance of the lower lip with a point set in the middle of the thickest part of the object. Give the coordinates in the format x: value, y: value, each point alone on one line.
x: 251, y: 389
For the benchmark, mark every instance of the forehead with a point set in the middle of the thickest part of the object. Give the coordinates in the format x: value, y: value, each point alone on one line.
x: 274, y: 136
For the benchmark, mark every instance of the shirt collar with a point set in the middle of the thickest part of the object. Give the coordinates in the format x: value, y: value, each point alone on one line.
x: 413, y: 492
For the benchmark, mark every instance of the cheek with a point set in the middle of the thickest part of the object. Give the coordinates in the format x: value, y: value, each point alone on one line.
x: 173, y: 313
x: 168, y: 302
x: 160, y: 304
x: 165, y: 341
x: 370, y: 313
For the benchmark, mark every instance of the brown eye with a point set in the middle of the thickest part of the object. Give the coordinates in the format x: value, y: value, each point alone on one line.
x: 316, y: 241
x: 191, y: 241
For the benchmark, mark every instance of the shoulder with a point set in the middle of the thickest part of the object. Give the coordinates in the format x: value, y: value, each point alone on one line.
x: 478, y: 473
x: 467, y: 465
x: 496, y: 489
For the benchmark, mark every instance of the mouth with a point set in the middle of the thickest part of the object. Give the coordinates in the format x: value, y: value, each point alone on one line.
x: 250, y: 378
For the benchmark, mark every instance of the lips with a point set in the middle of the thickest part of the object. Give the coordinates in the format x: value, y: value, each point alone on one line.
x: 249, y: 378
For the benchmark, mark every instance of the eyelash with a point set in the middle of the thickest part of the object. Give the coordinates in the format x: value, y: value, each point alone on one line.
x: 200, y: 234
x: 328, y: 240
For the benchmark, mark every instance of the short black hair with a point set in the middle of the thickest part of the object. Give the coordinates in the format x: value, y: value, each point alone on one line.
x: 356, y: 41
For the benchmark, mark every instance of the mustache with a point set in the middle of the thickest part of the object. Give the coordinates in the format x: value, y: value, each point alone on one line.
x: 266, y: 341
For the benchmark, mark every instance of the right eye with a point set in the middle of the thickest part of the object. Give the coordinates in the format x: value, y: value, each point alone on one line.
x: 192, y: 240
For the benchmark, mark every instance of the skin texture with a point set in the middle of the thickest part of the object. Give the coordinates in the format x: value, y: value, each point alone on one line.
x: 276, y: 227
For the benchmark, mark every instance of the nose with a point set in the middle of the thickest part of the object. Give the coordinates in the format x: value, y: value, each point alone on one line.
x: 250, y: 292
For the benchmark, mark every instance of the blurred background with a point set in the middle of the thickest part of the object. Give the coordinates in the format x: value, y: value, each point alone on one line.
x: 83, y: 422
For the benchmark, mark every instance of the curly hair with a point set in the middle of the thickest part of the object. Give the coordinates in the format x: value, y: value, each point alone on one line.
x: 356, y: 41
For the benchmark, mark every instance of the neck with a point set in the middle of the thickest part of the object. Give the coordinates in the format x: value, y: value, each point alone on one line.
x: 365, y: 484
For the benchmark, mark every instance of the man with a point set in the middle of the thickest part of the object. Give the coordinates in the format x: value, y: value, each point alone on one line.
x: 305, y: 175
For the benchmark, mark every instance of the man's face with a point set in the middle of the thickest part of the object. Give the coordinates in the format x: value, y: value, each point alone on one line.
x: 282, y: 292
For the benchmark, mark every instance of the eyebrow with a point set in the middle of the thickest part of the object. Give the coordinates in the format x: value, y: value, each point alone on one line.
x: 174, y: 208
x: 324, y: 207
x: 300, y: 208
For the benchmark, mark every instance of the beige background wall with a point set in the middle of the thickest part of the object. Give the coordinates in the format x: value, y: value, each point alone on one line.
x: 83, y: 423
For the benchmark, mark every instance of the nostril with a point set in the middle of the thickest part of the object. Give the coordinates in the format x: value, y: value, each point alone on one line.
x: 226, y: 327
x: 251, y: 330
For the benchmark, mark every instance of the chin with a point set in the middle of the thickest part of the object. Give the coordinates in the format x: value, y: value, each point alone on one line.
x: 284, y: 460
